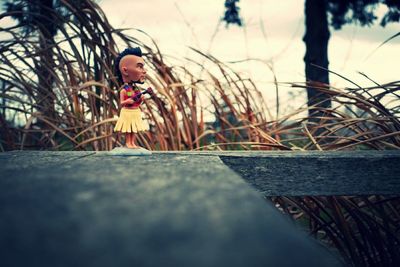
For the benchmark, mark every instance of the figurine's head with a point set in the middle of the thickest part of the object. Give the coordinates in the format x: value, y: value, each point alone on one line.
x: 130, y: 66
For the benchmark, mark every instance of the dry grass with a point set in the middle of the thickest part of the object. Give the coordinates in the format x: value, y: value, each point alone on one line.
x: 196, y: 107
x: 364, y: 229
x: 85, y: 94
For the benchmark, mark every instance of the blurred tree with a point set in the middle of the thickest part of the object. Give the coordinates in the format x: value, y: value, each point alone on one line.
x: 72, y: 64
x: 317, y: 35
x: 35, y: 17
x: 42, y: 19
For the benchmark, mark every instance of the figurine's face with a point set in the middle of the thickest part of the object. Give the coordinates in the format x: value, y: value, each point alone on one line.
x: 132, y: 69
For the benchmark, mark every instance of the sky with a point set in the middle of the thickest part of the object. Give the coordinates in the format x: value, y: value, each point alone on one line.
x: 272, y: 32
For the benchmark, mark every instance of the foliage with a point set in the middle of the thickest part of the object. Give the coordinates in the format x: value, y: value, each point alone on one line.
x: 231, y: 15
x: 342, y: 12
x: 361, y: 11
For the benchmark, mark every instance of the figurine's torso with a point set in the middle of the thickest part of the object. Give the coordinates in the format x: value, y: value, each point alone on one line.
x: 129, y: 93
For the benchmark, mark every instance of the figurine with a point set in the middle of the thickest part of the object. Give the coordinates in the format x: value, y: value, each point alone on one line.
x: 130, y: 70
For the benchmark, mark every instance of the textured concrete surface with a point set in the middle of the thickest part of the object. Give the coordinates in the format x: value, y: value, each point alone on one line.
x: 167, y: 209
x: 319, y: 173
x: 288, y: 173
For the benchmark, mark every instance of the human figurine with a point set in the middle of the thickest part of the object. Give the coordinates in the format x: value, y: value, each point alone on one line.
x: 130, y: 71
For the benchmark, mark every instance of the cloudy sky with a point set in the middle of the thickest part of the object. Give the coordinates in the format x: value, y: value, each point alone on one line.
x: 272, y: 32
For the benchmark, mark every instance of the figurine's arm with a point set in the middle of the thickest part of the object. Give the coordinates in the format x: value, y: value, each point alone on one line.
x: 122, y: 96
x: 140, y: 101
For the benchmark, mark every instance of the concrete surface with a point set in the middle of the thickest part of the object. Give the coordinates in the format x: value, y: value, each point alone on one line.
x: 172, y: 209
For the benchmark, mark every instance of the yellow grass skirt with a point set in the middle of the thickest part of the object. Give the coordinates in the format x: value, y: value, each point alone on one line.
x: 130, y: 120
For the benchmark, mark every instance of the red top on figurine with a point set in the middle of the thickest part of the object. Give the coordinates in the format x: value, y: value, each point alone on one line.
x: 130, y: 93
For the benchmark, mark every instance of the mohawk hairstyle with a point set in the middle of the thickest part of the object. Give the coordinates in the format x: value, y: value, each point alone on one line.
x: 128, y: 51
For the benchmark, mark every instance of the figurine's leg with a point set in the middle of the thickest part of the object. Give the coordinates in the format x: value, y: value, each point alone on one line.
x: 128, y: 140
x: 131, y: 140
x: 134, y: 140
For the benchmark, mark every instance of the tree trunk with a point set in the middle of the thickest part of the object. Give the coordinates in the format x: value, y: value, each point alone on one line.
x: 45, y: 95
x: 316, y: 39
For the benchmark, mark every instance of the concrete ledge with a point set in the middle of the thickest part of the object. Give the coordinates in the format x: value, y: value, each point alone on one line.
x: 319, y: 173
x: 167, y: 209
x: 306, y: 173
x: 285, y: 154
x: 275, y: 173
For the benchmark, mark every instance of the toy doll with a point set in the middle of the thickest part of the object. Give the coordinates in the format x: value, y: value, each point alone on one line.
x: 130, y: 70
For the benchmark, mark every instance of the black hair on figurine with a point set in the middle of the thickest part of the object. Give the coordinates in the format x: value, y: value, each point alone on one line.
x: 128, y: 51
